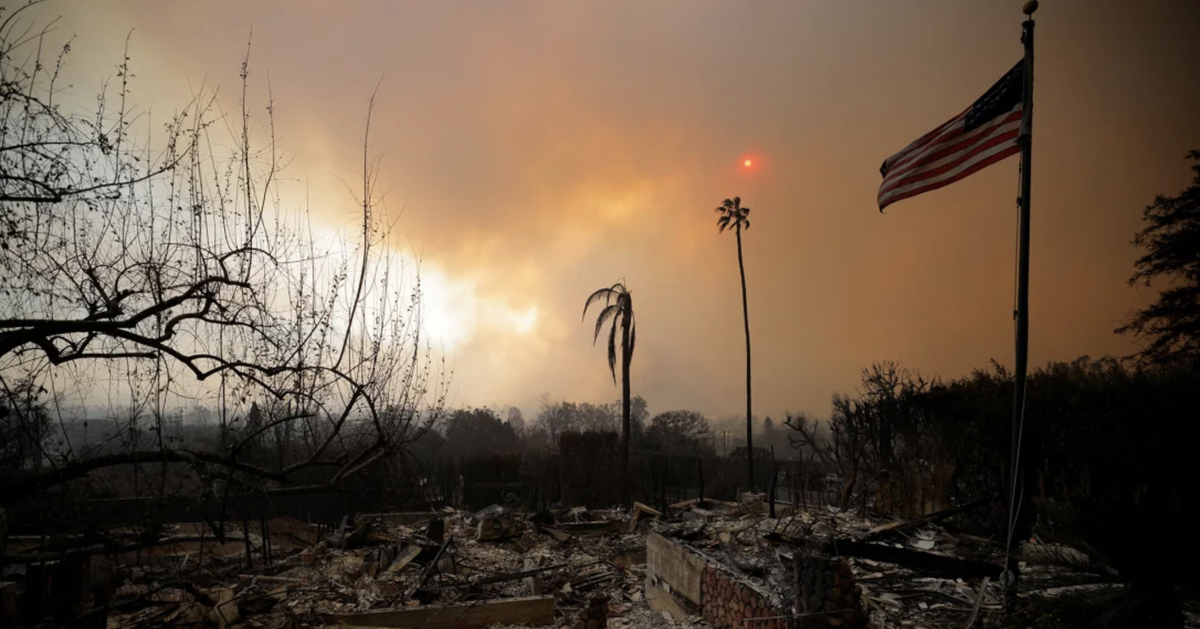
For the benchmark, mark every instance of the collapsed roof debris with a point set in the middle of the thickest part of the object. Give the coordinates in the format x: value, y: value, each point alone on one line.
x: 573, y: 568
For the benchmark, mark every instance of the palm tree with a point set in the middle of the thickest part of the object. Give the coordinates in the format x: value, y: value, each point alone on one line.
x: 732, y: 213
x: 618, y: 307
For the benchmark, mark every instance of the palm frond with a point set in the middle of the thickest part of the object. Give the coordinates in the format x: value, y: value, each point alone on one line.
x: 722, y: 223
x: 606, y: 314
x: 603, y: 293
x: 745, y: 224
x: 1066, y: 557
x: 745, y: 212
x: 737, y: 202
x: 612, y: 353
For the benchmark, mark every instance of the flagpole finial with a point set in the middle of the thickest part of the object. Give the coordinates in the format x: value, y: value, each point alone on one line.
x: 1030, y: 7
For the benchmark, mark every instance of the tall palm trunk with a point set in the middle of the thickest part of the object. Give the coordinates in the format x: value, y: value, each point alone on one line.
x: 626, y: 359
x: 746, y: 319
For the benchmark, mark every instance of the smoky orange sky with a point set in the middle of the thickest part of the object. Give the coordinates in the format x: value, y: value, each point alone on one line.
x: 542, y: 150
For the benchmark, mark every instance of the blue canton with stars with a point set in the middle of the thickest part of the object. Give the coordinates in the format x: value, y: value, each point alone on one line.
x: 1007, y: 93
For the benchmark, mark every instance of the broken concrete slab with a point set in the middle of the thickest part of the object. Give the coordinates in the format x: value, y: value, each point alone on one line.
x: 405, y: 557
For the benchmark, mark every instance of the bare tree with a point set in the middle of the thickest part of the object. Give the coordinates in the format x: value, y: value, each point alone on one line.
x: 171, y: 265
x: 554, y: 417
x: 516, y: 419
x: 48, y: 154
x: 680, y: 431
x: 25, y: 424
x: 846, y: 447
x: 890, y: 430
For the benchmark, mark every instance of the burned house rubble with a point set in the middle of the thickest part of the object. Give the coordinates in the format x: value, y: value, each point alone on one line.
x: 704, y: 563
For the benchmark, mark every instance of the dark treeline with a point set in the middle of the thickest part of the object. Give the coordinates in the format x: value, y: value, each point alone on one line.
x: 907, y: 444
x: 1091, y: 426
x: 678, y: 431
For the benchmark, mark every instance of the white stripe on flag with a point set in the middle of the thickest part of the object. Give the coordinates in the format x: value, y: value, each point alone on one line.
x: 948, y: 176
x: 984, y: 134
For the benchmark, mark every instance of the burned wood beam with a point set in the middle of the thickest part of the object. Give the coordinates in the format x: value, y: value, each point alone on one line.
x: 429, y: 569
x: 926, y: 563
x: 110, y: 549
x: 638, y: 510
x: 959, y: 509
x: 589, y: 528
x: 933, y: 518
x: 501, y: 578
x: 684, y: 504
x: 555, y: 533
x: 270, y: 579
x: 532, y: 611
x: 647, y: 509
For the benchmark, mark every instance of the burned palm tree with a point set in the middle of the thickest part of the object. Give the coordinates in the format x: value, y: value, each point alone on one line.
x: 736, y: 217
x: 618, y: 309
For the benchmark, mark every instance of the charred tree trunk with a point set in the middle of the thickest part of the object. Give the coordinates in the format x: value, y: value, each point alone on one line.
x: 746, y: 320
x: 848, y: 488
x: 627, y: 358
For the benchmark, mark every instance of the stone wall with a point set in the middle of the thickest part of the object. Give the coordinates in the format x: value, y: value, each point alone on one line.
x: 826, y: 594
x: 730, y: 602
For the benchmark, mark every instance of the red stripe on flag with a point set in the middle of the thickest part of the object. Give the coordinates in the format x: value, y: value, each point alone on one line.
x: 980, y: 145
x: 959, y: 138
x: 909, y: 152
x: 967, y: 139
x: 918, y: 167
x: 984, y: 163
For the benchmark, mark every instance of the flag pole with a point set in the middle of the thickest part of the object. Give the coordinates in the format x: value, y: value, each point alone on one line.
x: 1022, y: 312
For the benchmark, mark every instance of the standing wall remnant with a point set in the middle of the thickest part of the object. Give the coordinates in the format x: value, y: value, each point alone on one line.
x: 674, y: 566
x: 825, y: 592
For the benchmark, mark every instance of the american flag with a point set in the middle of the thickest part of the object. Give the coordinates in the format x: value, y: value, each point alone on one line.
x: 977, y: 138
